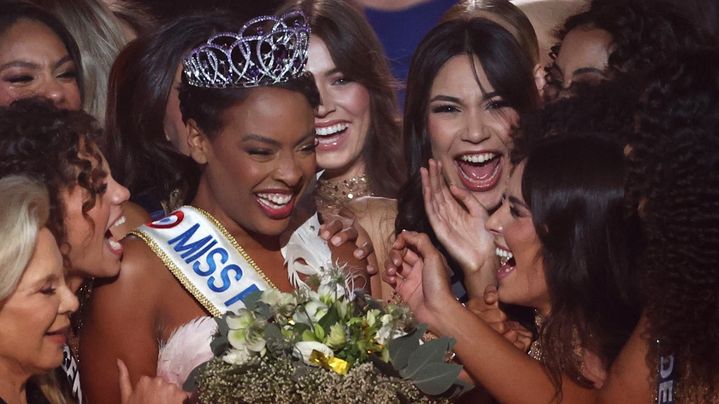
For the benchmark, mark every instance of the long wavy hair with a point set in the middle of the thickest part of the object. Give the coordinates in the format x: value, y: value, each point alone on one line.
x: 56, y: 148
x: 140, y: 81
x: 358, y: 54
x: 673, y: 181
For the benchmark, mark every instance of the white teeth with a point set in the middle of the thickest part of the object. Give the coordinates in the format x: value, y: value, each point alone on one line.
x: 119, y: 221
x: 114, y: 244
x: 331, y: 130
x: 478, y: 158
x: 504, y: 255
x: 275, y: 200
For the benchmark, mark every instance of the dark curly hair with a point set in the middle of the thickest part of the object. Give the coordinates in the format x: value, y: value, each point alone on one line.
x: 646, y: 34
x: 607, y: 109
x: 674, y: 180
x: 55, y: 147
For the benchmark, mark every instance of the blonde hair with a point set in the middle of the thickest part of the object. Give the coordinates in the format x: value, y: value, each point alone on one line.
x: 25, y: 209
x: 504, y: 13
x: 100, y: 37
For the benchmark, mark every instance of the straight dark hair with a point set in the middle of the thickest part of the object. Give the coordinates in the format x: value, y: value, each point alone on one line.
x: 139, y: 86
x: 508, y: 69
x: 14, y: 11
x: 358, y: 54
x: 574, y: 188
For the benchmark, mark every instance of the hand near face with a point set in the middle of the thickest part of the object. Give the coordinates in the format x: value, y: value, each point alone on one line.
x: 147, y: 390
x: 458, y: 219
x: 488, y: 310
x: 419, y: 274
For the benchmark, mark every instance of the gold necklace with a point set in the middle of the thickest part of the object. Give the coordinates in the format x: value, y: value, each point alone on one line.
x: 336, y: 194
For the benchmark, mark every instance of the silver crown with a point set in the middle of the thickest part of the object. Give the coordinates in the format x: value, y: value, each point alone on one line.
x: 254, y: 56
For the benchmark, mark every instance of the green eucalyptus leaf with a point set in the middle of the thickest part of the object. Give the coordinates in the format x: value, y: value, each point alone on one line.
x: 222, y: 327
x: 329, y: 319
x: 433, y: 351
x: 263, y: 310
x: 219, y: 345
x: 252, y: 299
x: 436, y: 378
x: 274, y: 339
x: 401, y: 348
x: 191, y: 383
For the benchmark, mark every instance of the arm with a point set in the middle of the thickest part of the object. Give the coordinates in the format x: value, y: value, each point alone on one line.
x: 418, y: 272
x: 457, y: 219
x: 121, y: 324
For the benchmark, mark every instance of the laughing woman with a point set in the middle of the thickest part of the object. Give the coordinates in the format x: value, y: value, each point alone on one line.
x: 251, y: 132
x: 35, y: 302
x: 566, y: 248
x: 357, y: 122
x: 468, y: 81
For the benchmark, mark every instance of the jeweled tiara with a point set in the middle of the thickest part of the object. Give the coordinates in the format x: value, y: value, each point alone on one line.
x: 266, y: 50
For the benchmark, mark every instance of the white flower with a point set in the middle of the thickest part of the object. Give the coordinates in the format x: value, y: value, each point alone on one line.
x: 237, y: 356
x: 311, y: 313
x: 372, y: 317
x: 389, y: 330
x: 337, y: 337
x: 241, y: 321
x: 303, y: 349
x: 280, y: 302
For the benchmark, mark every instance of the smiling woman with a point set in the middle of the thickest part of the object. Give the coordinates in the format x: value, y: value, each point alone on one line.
x: 35, y: 302
x: 38, y: 57
x: 468, y: 80
x: 251, y: 134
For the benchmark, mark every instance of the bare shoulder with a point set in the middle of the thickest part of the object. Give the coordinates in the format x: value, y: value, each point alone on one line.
x: 135, y: 216
x: 629, y: 378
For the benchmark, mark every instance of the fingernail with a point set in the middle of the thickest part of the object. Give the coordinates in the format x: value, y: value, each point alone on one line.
x: 336, y: 241
x: 359, y: 254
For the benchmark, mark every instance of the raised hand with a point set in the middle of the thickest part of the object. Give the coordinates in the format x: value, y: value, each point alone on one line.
x: 148, y: 389
x: 458, y: 219
x: 420, y: 275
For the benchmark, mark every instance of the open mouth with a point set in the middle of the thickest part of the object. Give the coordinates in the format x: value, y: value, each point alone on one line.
x: 480, y: 172
x: 329, y: 137
x: 114, y: 245
x: 274, y: 204
x: 506, y: 262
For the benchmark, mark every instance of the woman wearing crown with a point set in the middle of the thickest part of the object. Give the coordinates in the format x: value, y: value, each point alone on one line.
x: 249, y: 108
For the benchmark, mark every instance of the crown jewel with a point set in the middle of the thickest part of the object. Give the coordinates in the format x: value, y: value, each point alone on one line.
x: 266, y: 50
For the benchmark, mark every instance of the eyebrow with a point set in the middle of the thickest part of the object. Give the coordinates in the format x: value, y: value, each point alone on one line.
x: 260, y: 138
x: 332, y: 71
x: 517, y: 201
x: 441, y: 97
x: 62, y: 61
x: 31, y: 65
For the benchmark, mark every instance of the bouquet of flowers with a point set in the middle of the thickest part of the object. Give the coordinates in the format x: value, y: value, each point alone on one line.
x: 325, y: 344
